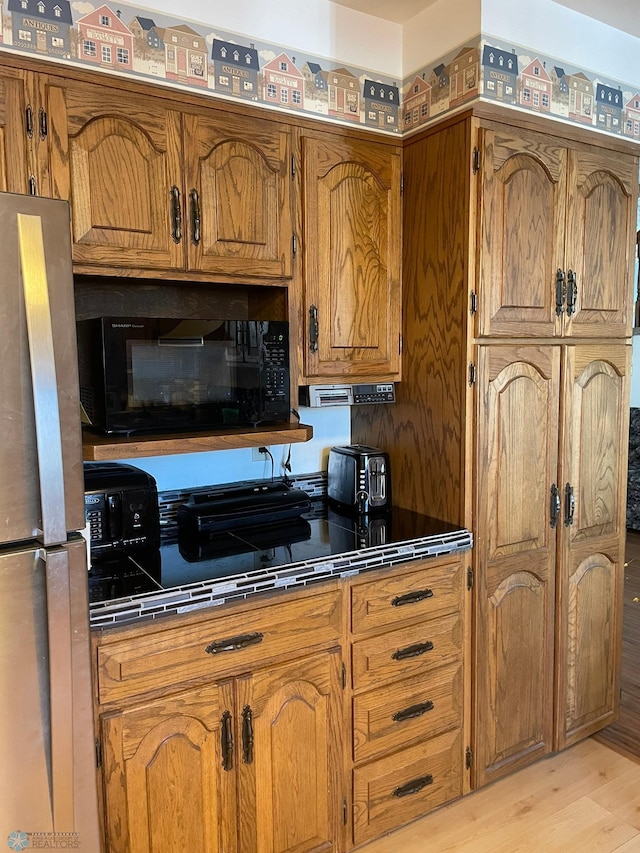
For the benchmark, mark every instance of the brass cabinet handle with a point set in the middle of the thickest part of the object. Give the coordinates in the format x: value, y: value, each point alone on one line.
x: 247, y: 735
x: 241, y: 641
x: 413, y: 711
x: 569, y: 505
x: 411, y: 597
x: 226, y: 741
x: 313, y: 328
x: 554, y: 506
x: 560, y: 292
x: 196, y: 220
x: 413, y: 787
x: 413, y: 651
x: 572, y: 293
x: 176, y: 215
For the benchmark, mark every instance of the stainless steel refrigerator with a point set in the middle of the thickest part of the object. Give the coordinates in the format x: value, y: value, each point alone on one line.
x: 47, y: 751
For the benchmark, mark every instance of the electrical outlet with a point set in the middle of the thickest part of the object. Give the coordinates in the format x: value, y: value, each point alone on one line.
x: 257, y: 456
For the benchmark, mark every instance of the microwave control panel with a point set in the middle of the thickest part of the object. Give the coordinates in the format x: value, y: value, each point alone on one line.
x: 276, y: 371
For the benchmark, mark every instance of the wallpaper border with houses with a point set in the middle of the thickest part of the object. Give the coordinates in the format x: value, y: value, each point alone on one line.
x: 137, y: 42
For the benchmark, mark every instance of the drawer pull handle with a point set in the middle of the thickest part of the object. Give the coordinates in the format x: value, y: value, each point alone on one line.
x: 413, y: 711
x: 242, y: 641
x: 176, y: 215
x: 413, y: 787
x: 247, y: 735
x: 413, y: 651
x: 227, y: 741
x: 411, y: 597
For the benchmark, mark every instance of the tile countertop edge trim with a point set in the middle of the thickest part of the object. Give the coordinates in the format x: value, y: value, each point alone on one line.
x: 213, y: 593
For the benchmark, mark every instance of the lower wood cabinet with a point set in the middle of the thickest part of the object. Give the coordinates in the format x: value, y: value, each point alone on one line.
x: 250, y: 731
x: 408, y: 640
x: 247, y: 760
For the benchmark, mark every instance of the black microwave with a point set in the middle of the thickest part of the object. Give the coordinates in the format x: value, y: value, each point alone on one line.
x: 140, y: 375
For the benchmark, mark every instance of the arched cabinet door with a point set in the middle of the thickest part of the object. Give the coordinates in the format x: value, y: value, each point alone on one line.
x: 118, y: 162
x: 352, y: 252
x: 602, y: 202
x: 590, y: 577
x: 521, y: 232
x: 289, y: 757
x: 165, y: 788
x: 239, y: 176
x: 518, y: 397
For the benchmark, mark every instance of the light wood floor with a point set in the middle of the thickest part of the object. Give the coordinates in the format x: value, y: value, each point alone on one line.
x: 586, y: 798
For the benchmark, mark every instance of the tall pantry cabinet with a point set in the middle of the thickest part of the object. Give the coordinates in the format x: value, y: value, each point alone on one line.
x: 513, y: 418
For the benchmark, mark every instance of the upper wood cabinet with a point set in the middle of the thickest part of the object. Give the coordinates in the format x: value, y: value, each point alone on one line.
x: 24, y: 161
x: 117, y: 160
x: 152, y: 187
x: 352, y: 257
x: 238, y: 177
x: 547, y: 263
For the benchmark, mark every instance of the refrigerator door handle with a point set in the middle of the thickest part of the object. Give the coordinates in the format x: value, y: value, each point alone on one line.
x: 43, y: 378
x: 60, y: 687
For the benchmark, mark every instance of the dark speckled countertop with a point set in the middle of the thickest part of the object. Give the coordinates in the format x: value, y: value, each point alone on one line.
x: 188, y: 573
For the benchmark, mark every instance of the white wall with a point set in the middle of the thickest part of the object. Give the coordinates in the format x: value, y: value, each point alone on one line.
x: 330, y: 427
x: 315, y: 26
x: 564, y: 34
x: 437, y: 30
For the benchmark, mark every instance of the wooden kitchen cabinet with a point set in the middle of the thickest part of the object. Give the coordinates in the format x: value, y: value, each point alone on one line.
x: 547, y: 264
x: 511, y: 413
x: 24, y: 132
x: 118, y: 161
x: 352, y: 258
x: 408, y: 659
x: 238, y: 178
x: 247, y: 758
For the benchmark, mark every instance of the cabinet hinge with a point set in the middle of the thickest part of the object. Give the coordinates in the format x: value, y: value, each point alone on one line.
x: 468, y: 758
x: 293, y: 166
x: 475, y: 160
x: 344, y: 677
x: 33, y: 187
x: 473, y: 303
x: 401, y: 183
x: 345, y: 816
x: 98, y: 753
x: 469, y: 577
x: 400, y: 344
x: 472, y: 373
x: 294, y: 245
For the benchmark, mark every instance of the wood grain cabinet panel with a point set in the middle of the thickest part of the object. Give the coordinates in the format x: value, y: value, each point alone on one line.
x: 214, y: 647
x: 405, y: 785
x: 396, y: 715
x: 118, y: 162
x: 238, y: 184
x: 18, y: 133
x: 352, y: 258
x: 513, y: 413
x: 397, y: 598
x: 547, y: 212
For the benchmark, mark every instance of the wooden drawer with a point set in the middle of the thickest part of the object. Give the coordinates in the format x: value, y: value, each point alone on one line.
x: 164, y: 658
x: 415, y: 709
x: 407, y: 652
x: 403, y: 786
x: 432, y: 590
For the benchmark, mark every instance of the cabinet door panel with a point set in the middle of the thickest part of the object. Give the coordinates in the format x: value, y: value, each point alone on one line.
x: 241, y: 172
x: 117, y: 160
x: 352, y: 256
x: 164, y: 781
x: 602, y: 205
x: 293, y: 776
x: 521, y: 233
x: 515, y: 546
x: 596, y: 418
x: 14, y: 166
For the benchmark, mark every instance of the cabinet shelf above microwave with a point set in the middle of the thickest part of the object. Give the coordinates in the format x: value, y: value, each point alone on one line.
x: 103, y: 448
